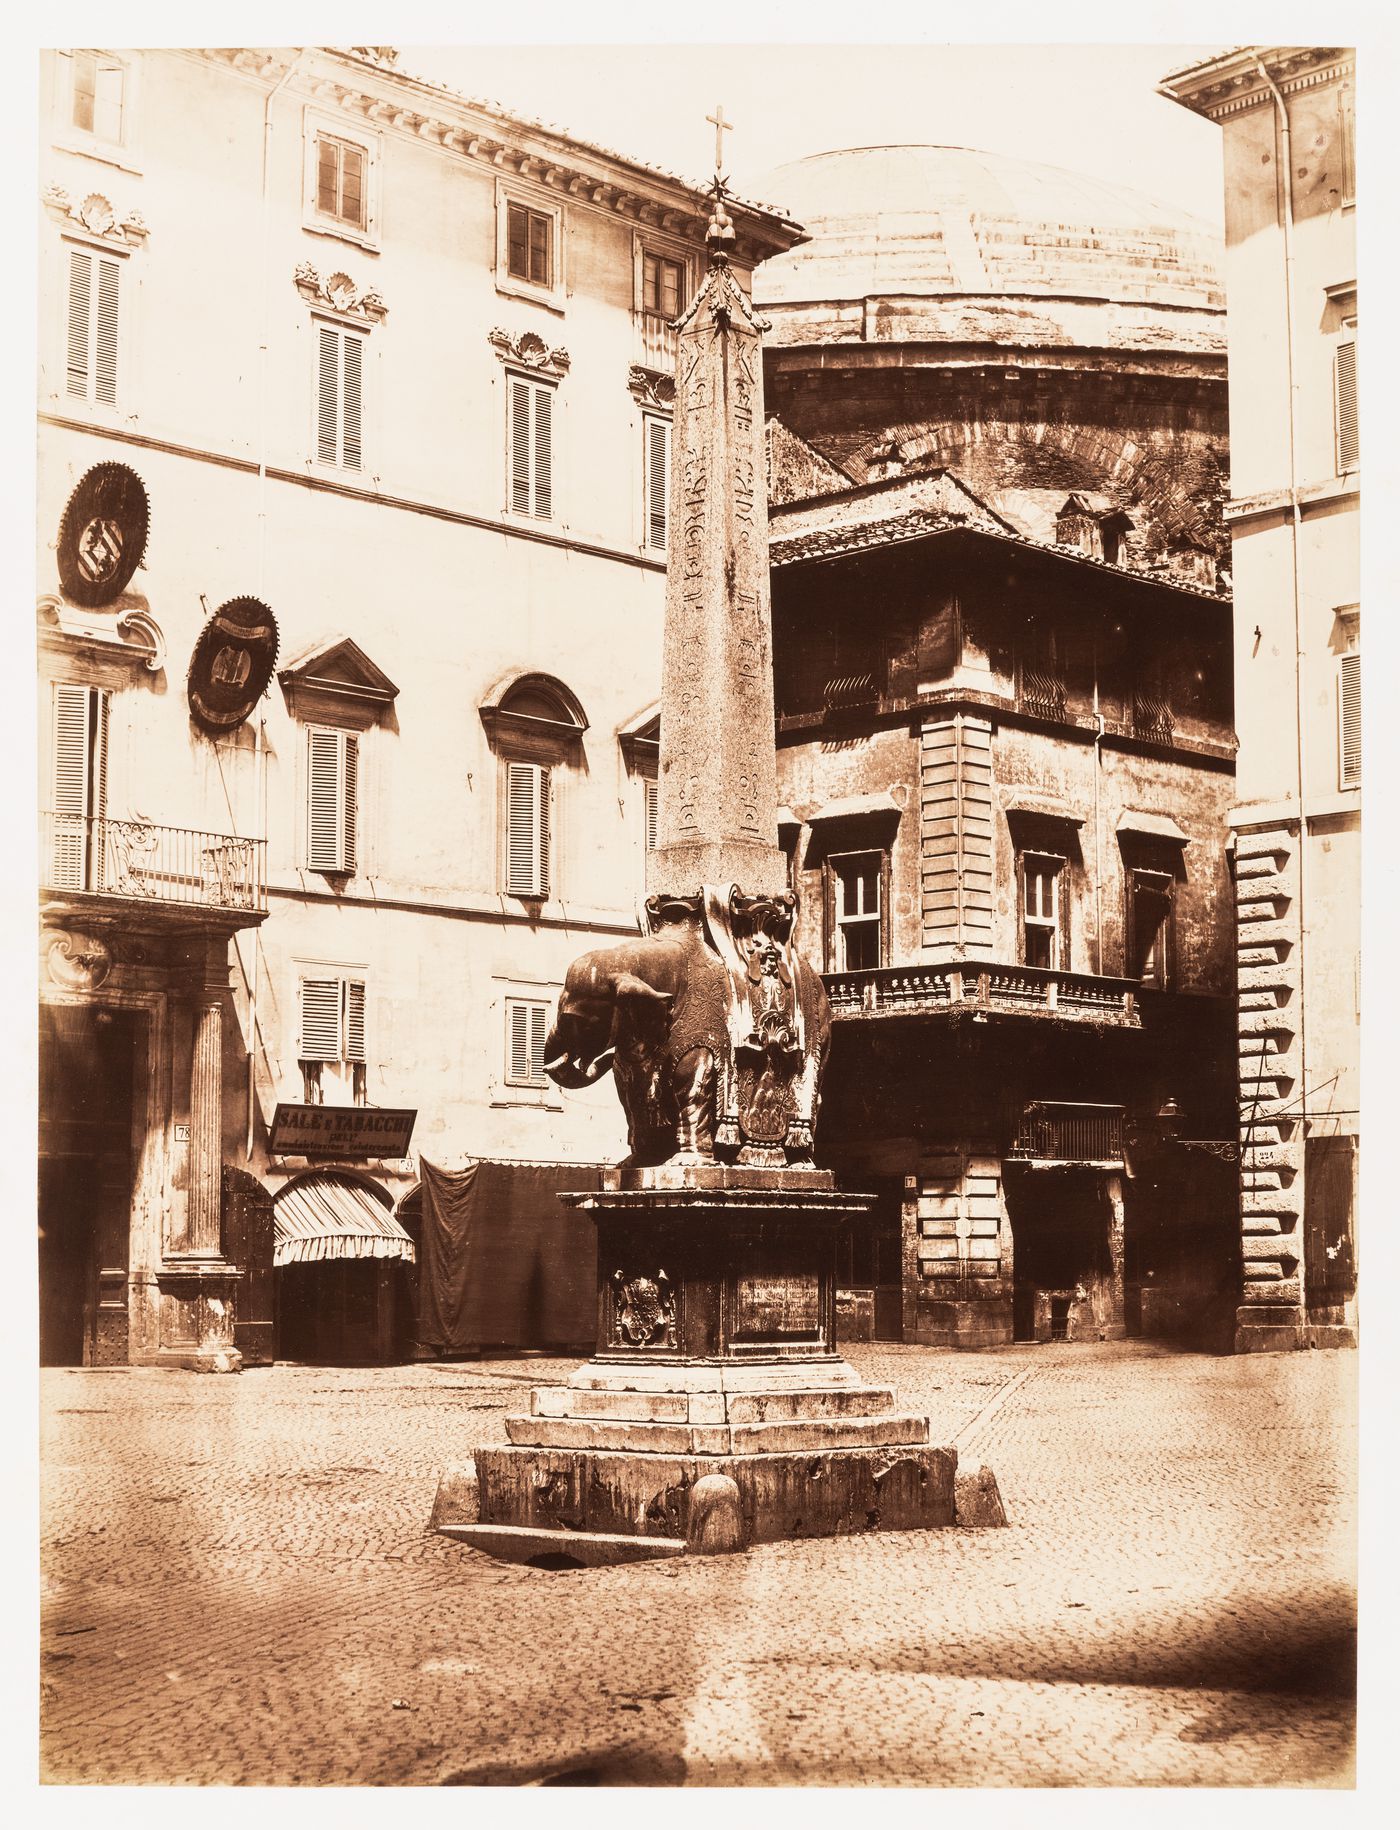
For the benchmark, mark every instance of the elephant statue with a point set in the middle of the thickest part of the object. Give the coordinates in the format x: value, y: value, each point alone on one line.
x: 654, y: 1011
x: 715, y: 1031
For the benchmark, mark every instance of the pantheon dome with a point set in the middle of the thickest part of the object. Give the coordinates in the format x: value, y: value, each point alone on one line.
x: 1034, y: 330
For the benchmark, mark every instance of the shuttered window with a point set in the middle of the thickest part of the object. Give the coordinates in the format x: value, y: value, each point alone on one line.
x: 331, y: 1039
x: 658, y: 478
x: 531, y: 448
x: 98, y: 86
x: 651, y: 800
x: 93, y: 289
x: 527, y: 829
x: 340, y: 181
x: 527, y: 1024
x: 1348, y: 445
x: 333, y: 759
x: 78, y: 785
x: 332, y: 1018
x: 1349, y: 719
x: 340, y: 397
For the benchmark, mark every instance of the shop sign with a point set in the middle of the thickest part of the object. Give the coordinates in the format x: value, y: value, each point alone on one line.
x: 379, y: 1131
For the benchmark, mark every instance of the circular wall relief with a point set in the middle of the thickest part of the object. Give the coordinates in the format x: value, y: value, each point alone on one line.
x: 102, y: 536
x: 232, y: 663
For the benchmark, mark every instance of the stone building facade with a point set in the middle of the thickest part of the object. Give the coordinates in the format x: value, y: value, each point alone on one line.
x: 375, y: 384
x: 998, y: 457
x: 1005, y: 770
x: 1287, y: 121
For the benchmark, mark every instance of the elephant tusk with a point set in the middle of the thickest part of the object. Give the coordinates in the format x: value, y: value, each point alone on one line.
x: 557, y: 1062
x: 599, y: 1065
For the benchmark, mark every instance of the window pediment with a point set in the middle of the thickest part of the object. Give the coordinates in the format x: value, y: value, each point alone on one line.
x: 337, y: 675
x: 97, y: 218
x: 339, y: 294
x: 529, y: 351
x: 535, y: 710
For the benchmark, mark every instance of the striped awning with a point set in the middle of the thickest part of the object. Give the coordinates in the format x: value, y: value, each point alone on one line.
x: 326, y: 1216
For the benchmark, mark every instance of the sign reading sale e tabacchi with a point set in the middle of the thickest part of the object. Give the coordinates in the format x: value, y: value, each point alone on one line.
x: 341, y: 1131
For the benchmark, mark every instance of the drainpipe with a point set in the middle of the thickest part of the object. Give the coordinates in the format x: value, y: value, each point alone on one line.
x: 1098, y: 847
x: 268, y: 100
x: 1296, y: 521
x: 260, y: 735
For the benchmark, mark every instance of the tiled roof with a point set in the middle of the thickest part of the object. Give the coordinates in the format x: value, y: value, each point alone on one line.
x: 921, y: 524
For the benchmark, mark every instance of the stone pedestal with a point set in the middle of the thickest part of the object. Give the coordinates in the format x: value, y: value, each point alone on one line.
x: 716, y: 1355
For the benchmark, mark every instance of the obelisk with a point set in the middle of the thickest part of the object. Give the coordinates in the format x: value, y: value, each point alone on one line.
x: 716, y: 1411
x: 717, y: 812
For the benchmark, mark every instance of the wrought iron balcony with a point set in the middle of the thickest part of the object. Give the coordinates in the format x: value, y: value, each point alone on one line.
x: 1056, y: 1131
x: 1153, y: 720
x: 983, y: 989
x: 1041, y: 694
x: 145, y: 863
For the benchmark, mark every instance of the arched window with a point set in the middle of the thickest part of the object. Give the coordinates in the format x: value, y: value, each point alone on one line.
x: 536, y: 728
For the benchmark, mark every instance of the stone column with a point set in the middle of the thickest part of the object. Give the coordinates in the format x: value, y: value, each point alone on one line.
x: 1114, y: 1328
x: 206, y: 1125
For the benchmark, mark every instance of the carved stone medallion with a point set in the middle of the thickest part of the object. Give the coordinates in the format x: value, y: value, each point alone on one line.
x: 77, y: 962
x: 645, y: 1310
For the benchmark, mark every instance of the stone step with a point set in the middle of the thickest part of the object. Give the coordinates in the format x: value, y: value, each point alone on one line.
x: 814, y: 1436
x: 590, y: 1549
x: 711, y: 1407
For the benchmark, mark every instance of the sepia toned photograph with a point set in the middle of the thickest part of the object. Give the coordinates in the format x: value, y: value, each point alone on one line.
x: 699, y: 878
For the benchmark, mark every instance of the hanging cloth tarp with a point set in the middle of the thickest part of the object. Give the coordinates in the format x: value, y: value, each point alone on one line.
x: 503, y: 1262
x: 326, y: 1216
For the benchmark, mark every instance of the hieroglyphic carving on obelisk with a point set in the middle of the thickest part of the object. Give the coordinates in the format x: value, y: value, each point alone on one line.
x: 717, y: 811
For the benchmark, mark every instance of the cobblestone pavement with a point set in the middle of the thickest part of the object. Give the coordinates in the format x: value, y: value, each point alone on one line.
x: 238, y: 1587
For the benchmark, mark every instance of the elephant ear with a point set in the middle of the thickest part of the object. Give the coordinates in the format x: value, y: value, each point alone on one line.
x: 628, y: 985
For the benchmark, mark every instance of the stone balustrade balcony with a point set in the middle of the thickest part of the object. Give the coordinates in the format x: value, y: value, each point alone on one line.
x: 983, y: 989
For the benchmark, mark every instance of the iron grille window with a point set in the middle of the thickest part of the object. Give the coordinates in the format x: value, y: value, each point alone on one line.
x: 1040, y: 685
x: 1152, y: 718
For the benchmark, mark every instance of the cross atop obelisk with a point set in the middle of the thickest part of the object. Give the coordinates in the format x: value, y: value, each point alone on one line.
x: 721, y: 127
x: 717, y: 815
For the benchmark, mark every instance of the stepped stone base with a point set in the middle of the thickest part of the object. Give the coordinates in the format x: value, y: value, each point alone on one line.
x: 812, y: 1451
x: 813, y: 1494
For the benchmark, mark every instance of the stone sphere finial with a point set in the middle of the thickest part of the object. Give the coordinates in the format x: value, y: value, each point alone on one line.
x: 719, y: 231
